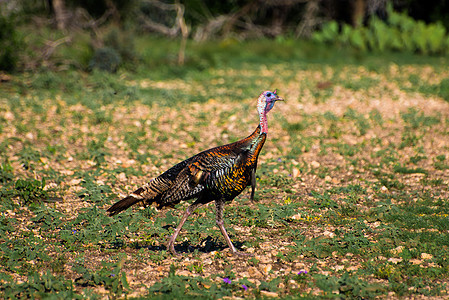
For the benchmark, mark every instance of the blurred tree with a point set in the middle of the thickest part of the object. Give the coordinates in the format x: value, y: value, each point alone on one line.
x: 60, y: 13
x: 358, y: 12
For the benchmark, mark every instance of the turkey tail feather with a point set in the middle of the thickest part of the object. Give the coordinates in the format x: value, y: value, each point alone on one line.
x: 123, y: 204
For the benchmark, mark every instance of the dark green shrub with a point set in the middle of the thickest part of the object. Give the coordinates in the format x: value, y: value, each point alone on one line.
x: 105, y: 59
x: 123, y: 43
x: 10, y: 44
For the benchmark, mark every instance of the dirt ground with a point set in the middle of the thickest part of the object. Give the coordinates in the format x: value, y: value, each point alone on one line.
x: 186, y: 132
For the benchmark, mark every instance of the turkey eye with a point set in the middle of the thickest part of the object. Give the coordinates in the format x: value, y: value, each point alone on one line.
x: 269, y: 95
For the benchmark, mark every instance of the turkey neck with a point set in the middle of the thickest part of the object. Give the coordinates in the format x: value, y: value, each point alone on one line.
x: 263, y: 122
x: 255, y: 146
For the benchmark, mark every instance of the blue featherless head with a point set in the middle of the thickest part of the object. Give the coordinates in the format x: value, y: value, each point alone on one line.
x: 267, y: 100
x: 264, y: 104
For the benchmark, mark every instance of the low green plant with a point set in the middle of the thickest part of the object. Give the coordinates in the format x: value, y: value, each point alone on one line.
x: 110, y: 275
x: 415, y: 119
x: 324, y: 200
x: 39, y: 286
x: 440, y: 162
x: 47, y: 217
x: 97, y: 150
x: 404, y: 170
x: 92, y: 226
x: 271, y: 286
x: 6, y: 172
x: 30, y: 190
x: 28, y: 155
x: 409, y: 139
x: 183, y: 287
x: 398, y: 33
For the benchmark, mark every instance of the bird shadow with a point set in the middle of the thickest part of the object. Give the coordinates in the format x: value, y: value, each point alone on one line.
x: 206, y: 245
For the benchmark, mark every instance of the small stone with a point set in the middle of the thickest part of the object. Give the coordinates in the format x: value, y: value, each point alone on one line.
x: 426, y: 256
x: 299, y: 266
x: 122, y: 176
x: 183, y: 273
x: 269, y: 294
x: 129, y: 163
x: 74, y: 181
x: 9, y: 116
x: 265, y: 245
x: 328, y: 234
x: 266, y: 268
x: 295, y: 172
x: 253, y: 272
x: 328, y: 178
x: 433, y: 265
x: 67, y: 172
x: 50, y: 185
x: 395, y: 260
x: 315, y: 164
x: 296, y: 217
x: 397, y: 250
x: 339, y: 268
x: 352, y: 268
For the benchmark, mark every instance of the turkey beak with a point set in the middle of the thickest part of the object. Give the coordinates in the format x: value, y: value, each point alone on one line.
x: 279, y: 99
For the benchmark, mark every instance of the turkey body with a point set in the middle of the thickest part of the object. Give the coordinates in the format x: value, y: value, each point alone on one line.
x: 219, y: 174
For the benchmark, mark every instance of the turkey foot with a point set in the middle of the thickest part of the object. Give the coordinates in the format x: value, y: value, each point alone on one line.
x: 171, y: 248
x: 242, y: 254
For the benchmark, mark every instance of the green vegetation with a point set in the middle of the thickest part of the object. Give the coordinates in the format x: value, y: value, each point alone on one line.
x: 352, y: 197
x: 10, y: 42
x: 398, y: 33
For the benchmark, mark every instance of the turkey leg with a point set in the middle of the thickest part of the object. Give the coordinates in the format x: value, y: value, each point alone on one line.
x: 189, y: 210
x: 219, y: 205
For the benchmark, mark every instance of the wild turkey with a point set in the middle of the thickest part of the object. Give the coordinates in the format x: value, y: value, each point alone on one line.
x: 218, y: 174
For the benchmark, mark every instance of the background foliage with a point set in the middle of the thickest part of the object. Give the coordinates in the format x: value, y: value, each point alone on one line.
x: 106, y: 29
